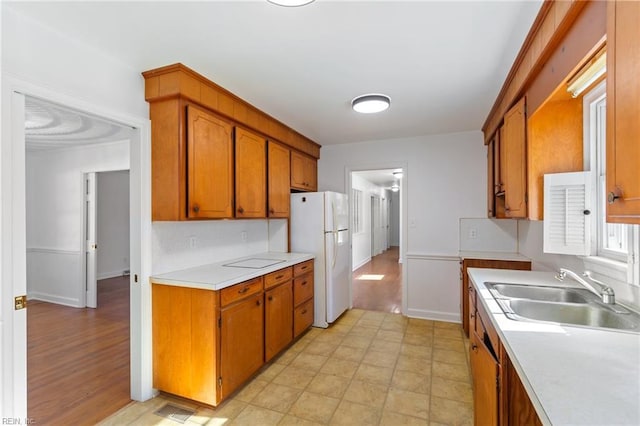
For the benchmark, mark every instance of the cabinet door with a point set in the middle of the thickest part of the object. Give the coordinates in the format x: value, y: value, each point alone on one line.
x: 515, y: 167
x: 241, y: 342
x: 251, y: 175
x: 209, y: 165
x: 303, y: 172
x: 278, y: 317
x: 485, y: 370
x: 279, y: 180
x: 311, y: 168
x: 623, y: 111
x: 491, y: 193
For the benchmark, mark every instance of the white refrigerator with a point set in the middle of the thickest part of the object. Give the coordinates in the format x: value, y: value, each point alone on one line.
x: 320, y: 225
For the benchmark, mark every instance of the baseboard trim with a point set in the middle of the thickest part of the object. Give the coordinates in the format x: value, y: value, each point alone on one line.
x: 112, y: 274
x: 52, y: 298
x: 361, y: 264
x: 434, y: 315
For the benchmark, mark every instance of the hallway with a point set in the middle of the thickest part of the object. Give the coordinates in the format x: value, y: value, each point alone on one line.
x: 377, y: 285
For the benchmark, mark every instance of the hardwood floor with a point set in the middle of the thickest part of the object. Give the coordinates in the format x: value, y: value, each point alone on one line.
x: 385, y: 294
x: 78, y: 359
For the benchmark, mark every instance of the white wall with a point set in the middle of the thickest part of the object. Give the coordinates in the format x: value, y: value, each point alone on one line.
x: 112, y: 224
x: 55, y: 217
x: 445, y: 180
x: 361, y: 244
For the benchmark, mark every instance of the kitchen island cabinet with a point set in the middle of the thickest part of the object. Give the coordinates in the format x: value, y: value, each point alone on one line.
x: 211, y: 335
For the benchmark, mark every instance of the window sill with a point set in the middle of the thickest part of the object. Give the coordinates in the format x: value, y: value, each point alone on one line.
x: 606, y: 267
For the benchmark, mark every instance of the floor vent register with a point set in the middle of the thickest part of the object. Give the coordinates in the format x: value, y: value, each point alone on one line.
x: 174, y: 413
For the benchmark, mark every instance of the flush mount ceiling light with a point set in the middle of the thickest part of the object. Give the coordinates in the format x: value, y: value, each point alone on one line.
x: 290, y: 3
x: 395, y: 187
x: 368, y: 104
x: 397, y: 175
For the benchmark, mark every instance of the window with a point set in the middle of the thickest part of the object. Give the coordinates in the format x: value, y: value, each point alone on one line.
x: 614, y: 241
x: 357, y: 210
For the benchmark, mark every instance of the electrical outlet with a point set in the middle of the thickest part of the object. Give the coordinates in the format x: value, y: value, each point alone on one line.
x: 243, y: 236
x: 473, y: 233
x: 193, y: 242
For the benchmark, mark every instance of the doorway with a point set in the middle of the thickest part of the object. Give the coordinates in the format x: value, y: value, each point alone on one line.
x: 78, y: 351
x: 377, y: 282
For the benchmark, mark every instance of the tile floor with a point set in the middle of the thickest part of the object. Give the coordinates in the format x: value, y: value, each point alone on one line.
x: 369, y: 368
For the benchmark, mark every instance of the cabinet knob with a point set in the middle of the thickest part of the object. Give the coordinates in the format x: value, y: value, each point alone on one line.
x: 304, y: 283
x: 196, y: 208
x: 270, y: 298
x: 271, y: 210
x: 612, y: 197
x: 243, y: 290
x: 474, y: 347
x: 240, y: 209
x: 258, y: 303
x: 304, y: 311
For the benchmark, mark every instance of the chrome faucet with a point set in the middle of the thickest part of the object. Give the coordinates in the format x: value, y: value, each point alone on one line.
x: 606, y: 293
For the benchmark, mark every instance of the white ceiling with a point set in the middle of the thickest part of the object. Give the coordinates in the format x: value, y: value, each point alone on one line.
x: 442, y: 63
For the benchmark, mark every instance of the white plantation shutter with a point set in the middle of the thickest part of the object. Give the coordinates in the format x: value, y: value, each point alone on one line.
x: 567, y: 225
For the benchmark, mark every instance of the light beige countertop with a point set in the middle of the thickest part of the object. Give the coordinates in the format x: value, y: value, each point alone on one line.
x: 216, y: 276
x: 573, y: 375
x: 492, y: 255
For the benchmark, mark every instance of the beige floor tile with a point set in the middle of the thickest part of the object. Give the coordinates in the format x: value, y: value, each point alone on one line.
x: 393, y: 326
x: 318, y: 347
x: 203, y: 415
x: 341, y: 327
x: 340, y: 367
x: 333, y: 338
x: 271, y: 371
x: 451, y: 412
x: 328, y: 385
x: 408, y: 403
x: 450, y: 371
x: 447, y: 333
x: 389, y: 418
x: 152, y: 419
x: 419, y: 339
x: 450, y: 325
x: 417, y: 322
x: 295, y: 377
x: 128, y: 415
x: 384, y: 346
x: 452, y: 389
x: 252, y: 388
x: 374, y: 374
x: 449, y: 344
x: 418, y: 351
x: 450, y: 357
x: 229, y: 409
x: 299, y: 345
x: 252, y: 416
x: 363, y: 331
x: 277, y: 397
x: 290, y: 420
x: 351, y: 413
x: 317, y: 408
x: 349, y: 353
x: 413, y: 364
x: 370, y: 394
x: 357, y: 341
x: 368, y: 323
x: 286, y: 357
x: 381, y: 359
x: 309, y: 362
x: 407, y: 380
x: 390, y: 336
x: 353, y: 314
x: 375, y: 316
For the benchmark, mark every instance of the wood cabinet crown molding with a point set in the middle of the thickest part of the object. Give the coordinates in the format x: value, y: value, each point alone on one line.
x: 177, y: 80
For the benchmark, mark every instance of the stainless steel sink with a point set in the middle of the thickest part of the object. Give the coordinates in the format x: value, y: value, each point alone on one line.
x: 562, y: 305
x: 548, y: 294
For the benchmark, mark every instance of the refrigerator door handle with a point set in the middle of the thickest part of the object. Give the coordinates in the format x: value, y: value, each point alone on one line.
x: 335, y: 250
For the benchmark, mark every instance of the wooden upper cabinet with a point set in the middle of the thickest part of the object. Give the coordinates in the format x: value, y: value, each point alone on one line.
x: 623, y: 112
x: 515, y: 167
x: 251, y: 175
x: 279, y: 169
x: 491, y: 193
x: 209, y: 165
x: 304, y: 172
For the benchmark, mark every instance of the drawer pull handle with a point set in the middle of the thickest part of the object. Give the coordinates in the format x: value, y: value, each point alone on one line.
x: 612, y: 197
x: 303, y: 267
x: 474, y: 348
x: 270, y: 298
x: 243, y: 290
x: 240, y: 210
x: 304, y: 311
x: 304, y: 283
x: 258, y: 303
x: 279, y: 277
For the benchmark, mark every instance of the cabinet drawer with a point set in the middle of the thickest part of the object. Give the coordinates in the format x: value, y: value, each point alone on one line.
x: 483, y: 322
x: 302, y: 289
x: 240, y: 291
x: 277, y: 277
x: 302, y: 317
x: 302, y: 268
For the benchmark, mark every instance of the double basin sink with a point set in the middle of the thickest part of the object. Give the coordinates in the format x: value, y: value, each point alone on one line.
x: 562, y: 305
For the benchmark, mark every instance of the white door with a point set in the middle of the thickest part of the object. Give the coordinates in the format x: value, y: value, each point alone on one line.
x: 91, y: 245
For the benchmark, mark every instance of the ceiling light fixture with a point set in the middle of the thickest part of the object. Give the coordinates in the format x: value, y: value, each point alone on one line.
x: 395, y: 187
x: 290, y: 3
x: 368, y: 104
x: 397, y: 175
x: 588, y: 75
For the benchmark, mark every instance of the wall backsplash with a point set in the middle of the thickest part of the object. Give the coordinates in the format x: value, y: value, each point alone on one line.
x: 180, y: 245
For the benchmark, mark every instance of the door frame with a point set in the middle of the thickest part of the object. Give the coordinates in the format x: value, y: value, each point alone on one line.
x: 348, y: 170
x: 13, y: 352
x: 89, y: 239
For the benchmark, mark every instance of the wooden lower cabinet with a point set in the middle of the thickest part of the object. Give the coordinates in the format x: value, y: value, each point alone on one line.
x: 207, y: 344
x: 499, y: 397
x: 278, y: 319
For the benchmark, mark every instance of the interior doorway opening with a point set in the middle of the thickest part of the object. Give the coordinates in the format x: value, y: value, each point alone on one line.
x: 376, y: 255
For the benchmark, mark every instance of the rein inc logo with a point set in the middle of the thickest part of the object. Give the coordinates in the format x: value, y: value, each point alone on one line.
x: 17, y: 421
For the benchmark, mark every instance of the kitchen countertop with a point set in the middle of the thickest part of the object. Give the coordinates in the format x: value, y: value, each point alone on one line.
x: 573, y: 375
x: 216, y: 276
x: 492, y: 255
